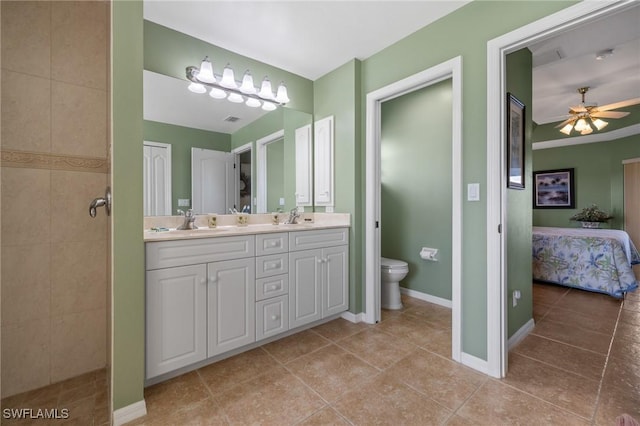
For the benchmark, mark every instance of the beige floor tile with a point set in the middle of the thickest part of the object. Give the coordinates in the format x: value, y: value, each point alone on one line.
x: 629, y: 332
x: 222, y: 375
x: 339, y: 329
x: 390, y: 402
x: 630, y: 317
x: 622, y: 377
x: 456, y: 420
x: 632, y: 304
x: 626, y: 350
x: 331, y: 371
x: 633, y: 295
x: 326, y: 416
x: 292, y: 347
x: 438, y: 316
x: 548, y: 294
x: 413, y: 329
x: 590, y: 303
x: 175, y: 393
x: 566, y: 390
x: 205, y: 412
x: 274, y: 398
x: 614, y: 404
x: 496, y: 403
x: 386, y: 314
x: 540, y: 310
x: 585, y: 339
x: 443, y: 380
x: 600, y: 323
x: 570, y: 358
x: 377, y: 348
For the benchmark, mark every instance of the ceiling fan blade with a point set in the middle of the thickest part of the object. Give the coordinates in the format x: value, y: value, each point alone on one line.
x: 609, y: 114
x: 577, y: 109
x: 565, y: 122
x: 620, y: 104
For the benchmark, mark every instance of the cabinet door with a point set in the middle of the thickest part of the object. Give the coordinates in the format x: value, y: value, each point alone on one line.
x: 305, y: 287
x: 335, y: 296
x: 176, y: 318
x: 272, y: 317
x: 231, y: 307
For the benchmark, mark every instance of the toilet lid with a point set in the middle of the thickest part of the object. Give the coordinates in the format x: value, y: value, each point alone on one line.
x: 387, y: 263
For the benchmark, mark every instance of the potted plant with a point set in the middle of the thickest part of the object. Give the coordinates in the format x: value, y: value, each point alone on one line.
x: 591, y: 217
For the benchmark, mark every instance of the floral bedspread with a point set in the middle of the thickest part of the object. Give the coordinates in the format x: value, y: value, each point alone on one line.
x: 597, y: 260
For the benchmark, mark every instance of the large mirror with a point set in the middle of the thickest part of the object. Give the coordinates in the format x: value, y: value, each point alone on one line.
x: 213, y: 155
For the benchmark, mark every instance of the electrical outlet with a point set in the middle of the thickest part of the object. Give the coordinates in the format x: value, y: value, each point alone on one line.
x: 516, y: 296
x: 184, y: 202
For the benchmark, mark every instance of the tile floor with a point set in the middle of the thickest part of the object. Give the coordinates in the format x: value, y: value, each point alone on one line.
x: 580, y: 365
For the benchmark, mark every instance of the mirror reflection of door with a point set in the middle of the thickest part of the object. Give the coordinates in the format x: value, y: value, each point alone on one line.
x: 275, y: 175
x: 244, y: 182
x: 212, y: 181
x: 157, y: 179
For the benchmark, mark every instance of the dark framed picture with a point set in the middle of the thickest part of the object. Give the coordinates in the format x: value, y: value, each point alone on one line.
x: 553, y: 189
x: 515, y: 142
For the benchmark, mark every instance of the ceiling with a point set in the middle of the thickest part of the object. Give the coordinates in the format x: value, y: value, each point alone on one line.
x: 281, y: 33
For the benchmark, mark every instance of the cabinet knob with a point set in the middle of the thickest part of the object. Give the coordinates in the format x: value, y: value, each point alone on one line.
x: 212, y: 278
x: 275, y: 317
x: 274, y: 244
x: 273, y: 287
x: 202, y: 280
x: 319, y: 260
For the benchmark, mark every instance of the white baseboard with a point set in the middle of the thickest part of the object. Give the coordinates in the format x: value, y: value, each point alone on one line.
x: 474, y: 362
x: 353, y: 317
x: 426, y: 297
x: 521, y: 334
x: 130, y: 412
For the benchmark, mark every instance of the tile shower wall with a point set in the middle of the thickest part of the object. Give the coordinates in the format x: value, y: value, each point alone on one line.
x: 54, y: 162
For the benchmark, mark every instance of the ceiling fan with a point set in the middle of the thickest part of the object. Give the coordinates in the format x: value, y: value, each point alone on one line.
x: 583, y: 114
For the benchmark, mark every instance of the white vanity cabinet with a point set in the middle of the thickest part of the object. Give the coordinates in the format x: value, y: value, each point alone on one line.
x: 318, y: 275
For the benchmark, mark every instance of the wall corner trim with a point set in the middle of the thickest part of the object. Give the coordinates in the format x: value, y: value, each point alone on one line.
x: 129, y: 413
x: 474, y: 362
x: 355, y: 318
x: 519, y: 335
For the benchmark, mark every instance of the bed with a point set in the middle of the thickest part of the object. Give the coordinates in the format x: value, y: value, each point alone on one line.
x: 598, y: 260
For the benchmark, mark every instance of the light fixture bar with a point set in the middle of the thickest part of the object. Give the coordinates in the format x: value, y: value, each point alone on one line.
x: 234, y: 92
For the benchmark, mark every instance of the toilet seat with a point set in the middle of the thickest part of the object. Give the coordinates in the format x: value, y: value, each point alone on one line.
x: 392, y: 264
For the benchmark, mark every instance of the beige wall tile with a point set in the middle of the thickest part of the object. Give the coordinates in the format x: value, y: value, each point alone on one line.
x: 78, y: 120
x: 25, y: 206
x: 77, y: 344
x: 26, y: 112
x: 26, y: 48
x: 79, y: 42
x: 71, y: 194
x: 78, y: 277
x: 26, y: 286
x: 25, y: 357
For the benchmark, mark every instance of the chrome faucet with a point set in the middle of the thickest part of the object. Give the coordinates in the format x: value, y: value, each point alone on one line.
x: 293, y: 217
x: 189, y: 220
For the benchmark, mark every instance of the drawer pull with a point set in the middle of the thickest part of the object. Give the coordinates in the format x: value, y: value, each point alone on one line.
x: 274, y: 287
x: 274, y: 244
x: 274, y: 265
x: 275, y: 317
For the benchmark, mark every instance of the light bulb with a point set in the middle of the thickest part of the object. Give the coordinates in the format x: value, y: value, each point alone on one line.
x: 268, y: 106
x: 197, y: 88
x: 247, y: 84
x: 600, y: 124
x: 567, y: 129
x: 217, y: 93
x: 581, y: 125
x: 235, y: 98
x: 253, y: 103
x: 282, y: 96
x: 206, y: 71
x: 265, y: 90
x: 228, y: 79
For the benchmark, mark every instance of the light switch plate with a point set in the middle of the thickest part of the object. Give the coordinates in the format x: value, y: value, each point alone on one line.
x: 184, y: 202
x: 473, y: 192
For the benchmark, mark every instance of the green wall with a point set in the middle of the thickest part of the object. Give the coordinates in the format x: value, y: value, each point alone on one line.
x: 416, y: 185
x: 518, y: 223
x: 275, y: 175
x: 182, y: 139
x: 127, y: 369
x: 598, y: 178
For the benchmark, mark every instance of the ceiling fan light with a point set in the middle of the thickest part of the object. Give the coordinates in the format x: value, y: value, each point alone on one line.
x: 217, y: 93
x: 281, y: 96
x: 567, y: 129
x: 206, y: 71
x: 265, y: 90
x: 197, y: 88
x: 228, y: 79
x: 253, y: 103
x: 268, y: 106
x: 600, y: 124
x: 247, y: 84
x: 586, y: 130
x: 581, y: 125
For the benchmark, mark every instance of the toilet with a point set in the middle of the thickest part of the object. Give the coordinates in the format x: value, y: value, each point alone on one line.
x: 391, y: 273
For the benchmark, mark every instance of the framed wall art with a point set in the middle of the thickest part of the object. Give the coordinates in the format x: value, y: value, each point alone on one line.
x: 515, y: 142
x: 554, y: 189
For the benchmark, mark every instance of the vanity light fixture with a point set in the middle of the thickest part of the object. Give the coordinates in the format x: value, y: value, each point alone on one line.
x: 226, y: 86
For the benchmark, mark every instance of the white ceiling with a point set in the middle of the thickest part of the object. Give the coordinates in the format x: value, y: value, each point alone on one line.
x: 311, y: 38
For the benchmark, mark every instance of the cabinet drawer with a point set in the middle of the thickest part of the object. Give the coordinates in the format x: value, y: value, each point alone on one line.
x: 303, y: 240
x: 268, y: 266
x: 165, y: 254
x: 272, y: 243
x: 272, y: 286
x: 272, y: 317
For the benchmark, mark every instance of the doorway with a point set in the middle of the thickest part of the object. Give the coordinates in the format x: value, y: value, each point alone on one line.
x: 497, y: 49
x: 243, y: 178
x: 451, y: 69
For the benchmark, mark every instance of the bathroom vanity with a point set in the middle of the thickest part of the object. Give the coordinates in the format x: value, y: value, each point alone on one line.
x: 214, y: 293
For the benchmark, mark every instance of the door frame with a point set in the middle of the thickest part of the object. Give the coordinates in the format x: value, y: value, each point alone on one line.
x: 497, y: 49
x: 237, y: 151
x: 261, y: 168
x: 451, y: 69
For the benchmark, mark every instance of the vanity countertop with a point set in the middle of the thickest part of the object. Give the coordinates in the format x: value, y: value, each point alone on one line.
x: 320, y: 221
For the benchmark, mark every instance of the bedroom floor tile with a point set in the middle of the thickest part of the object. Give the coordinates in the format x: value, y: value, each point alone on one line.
x: 582, y: 338
x: 600, y: 324
x: 547, y: 294
x: 590, y: 303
